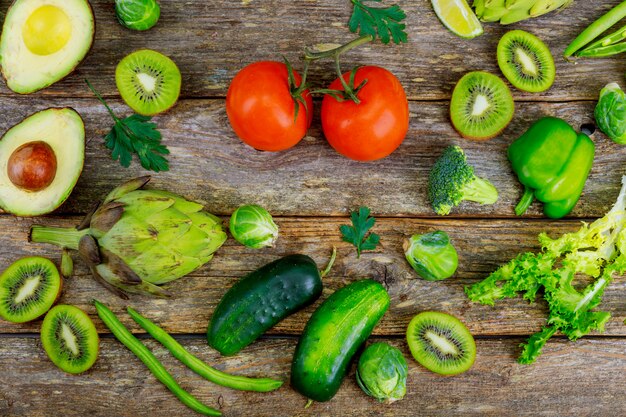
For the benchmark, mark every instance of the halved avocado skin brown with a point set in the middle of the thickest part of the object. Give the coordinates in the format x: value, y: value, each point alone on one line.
x: 20, y: 213
x: 70, y: 71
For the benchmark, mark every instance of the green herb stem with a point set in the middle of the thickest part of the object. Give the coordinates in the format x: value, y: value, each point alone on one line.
x: 198, y: 366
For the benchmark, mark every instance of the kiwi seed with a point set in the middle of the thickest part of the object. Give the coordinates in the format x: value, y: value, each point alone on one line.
x: 526, y: 61
x: 441, y: 343
x: 481, y: 106
x: 148, y: 81
x: 70, y: 339
x: 28, y: 288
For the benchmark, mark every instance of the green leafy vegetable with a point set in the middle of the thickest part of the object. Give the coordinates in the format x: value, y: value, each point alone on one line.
x: 135, y: 135
x: 386, y: 22
x: 610, y: 113
x: 356, y: 234
x: 597, y: 250
x: 432, y: 255
x: 382, y: 372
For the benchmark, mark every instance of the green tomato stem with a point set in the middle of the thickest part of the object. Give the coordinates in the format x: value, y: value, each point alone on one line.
x: 60, y: 236
x: 199, y: 367
x: 147, y: 357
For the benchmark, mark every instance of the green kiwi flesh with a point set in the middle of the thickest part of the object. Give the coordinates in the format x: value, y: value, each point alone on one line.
x: 148, y: 81
x: 28, y: 288
x: 481, y: 106
x: 441, y: 343
x: 526, y: 61
x: 70, y: 339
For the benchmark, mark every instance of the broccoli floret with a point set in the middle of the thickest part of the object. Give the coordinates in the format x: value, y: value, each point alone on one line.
x: 452, y: 180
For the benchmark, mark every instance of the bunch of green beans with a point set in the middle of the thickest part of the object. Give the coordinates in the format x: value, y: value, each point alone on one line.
x: 178, y: 351
x: 613, y: 43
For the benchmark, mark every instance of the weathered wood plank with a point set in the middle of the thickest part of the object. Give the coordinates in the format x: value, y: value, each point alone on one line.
x: 570, y: 379
x: 210, y: 163
x: 212, y: 40
x: 482, y: 246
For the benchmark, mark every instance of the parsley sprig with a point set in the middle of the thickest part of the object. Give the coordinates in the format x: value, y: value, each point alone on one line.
x: 357, y: 233
x: 384, y: 21
x: 135, y: 135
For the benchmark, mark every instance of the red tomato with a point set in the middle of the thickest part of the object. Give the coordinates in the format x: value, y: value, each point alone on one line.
x: 376, y: 126
x: 261, y: 110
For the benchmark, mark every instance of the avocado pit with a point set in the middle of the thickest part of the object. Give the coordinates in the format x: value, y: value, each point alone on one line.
x: 32, y: 166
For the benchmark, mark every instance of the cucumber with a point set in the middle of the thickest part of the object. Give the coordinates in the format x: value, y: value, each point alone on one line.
x: 332, y: 336
x: 261, y: 299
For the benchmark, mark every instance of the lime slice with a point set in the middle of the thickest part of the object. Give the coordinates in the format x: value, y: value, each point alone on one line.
x: 458, y: 17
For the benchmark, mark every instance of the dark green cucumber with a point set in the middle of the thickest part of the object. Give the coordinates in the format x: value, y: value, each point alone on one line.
x: 261, y: 299
x: 332, y: 336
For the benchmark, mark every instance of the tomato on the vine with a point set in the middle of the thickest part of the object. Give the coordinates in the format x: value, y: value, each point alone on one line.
x: 261, y: 107
x: 375, y: 126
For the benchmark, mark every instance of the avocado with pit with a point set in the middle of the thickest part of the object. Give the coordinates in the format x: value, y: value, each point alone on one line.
x: 41, y: 159
x: 43, y: 41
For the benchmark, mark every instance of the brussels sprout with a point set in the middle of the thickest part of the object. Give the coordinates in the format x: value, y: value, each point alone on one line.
x: 253, y: 226
x: 137, y: 14
x: 611, y: 113
x: 432, y: 255
x: 382, y: 372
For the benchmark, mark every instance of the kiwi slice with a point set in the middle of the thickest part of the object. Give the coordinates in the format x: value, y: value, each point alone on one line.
x: 441, y: 343
x: 28, y: 288
x: 148, y: 81
x: 481, y: 106
x: 70, y: 339
x: 526, y: 61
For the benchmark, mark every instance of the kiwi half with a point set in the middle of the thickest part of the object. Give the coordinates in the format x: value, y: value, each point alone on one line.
x: 441, y: 343
x: 526, y: 61
x: 70, y: 339
x: 28, y: 288
x: 481, y: 106
x: 148, y: 81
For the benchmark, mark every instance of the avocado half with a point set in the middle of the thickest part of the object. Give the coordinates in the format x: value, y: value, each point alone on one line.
x: 43, y: 41
x: 41, y: 159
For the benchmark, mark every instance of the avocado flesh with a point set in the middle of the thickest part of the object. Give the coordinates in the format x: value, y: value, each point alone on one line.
x: 63, y: 130
x: 43, y: 41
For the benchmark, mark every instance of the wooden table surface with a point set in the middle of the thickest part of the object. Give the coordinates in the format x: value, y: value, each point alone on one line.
x: 310, y: 189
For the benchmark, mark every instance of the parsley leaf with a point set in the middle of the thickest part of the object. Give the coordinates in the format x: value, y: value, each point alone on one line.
x: 356, y: 234
x: 386, y: 21
x: 135, y: 135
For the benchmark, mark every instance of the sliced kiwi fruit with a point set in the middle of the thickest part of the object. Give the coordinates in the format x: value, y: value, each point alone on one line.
x: 526, y: 61
x: 28, y: 288
x: 441, y: 343
x: 481, y: 106
x: 70, y: 339
x: 148, y: 81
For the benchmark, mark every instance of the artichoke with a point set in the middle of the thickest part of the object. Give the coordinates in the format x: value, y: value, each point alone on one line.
x: 511, y: 11
x: 137, y: 239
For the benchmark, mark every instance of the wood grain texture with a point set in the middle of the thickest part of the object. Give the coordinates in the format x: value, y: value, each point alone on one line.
x: 209, y: 163
x: 559, y: 385
x: 482, y: 247
x: 212, y: 40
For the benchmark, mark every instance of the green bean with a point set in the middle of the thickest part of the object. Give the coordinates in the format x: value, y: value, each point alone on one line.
x: 143, y: 353
x: 596, y: 29
x: 611, y: 39
x: 602, y: 51
x: 199, y: 367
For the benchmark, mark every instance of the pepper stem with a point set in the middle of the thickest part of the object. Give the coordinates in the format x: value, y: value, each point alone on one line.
x: 60, y: 236
x: 525, y: 202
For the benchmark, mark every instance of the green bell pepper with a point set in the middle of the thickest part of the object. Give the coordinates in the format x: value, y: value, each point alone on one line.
x: 552, y: 161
